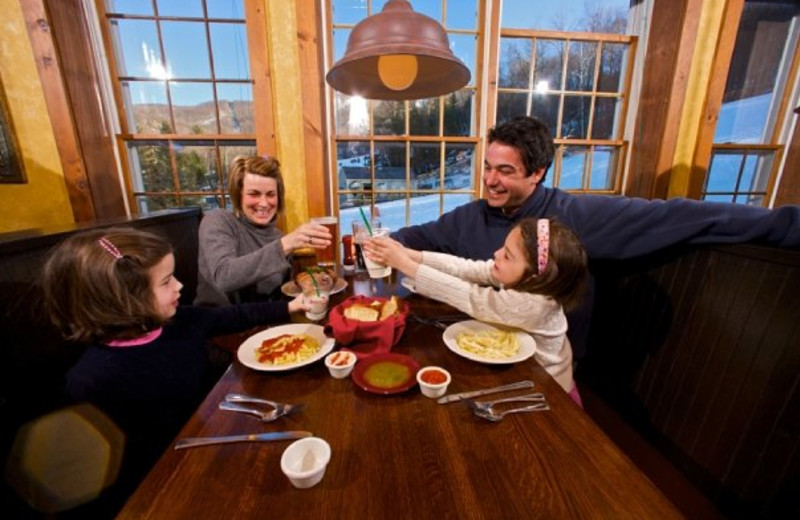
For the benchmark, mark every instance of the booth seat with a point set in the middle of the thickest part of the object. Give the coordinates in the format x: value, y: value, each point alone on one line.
x: 693, y: 361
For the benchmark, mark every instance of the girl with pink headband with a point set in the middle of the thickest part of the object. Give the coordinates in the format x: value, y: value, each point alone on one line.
x: 540, y: 272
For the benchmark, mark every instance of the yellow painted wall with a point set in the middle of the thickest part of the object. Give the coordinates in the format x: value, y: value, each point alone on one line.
x: 43, y: 200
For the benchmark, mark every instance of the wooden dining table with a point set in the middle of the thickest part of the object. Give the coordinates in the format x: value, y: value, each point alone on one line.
x: 400, y: 455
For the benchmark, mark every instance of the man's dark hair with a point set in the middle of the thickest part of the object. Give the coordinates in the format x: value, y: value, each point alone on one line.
x: 531, y: 137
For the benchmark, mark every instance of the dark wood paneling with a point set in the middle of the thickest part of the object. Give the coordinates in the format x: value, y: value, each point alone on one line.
x: 699, y: 350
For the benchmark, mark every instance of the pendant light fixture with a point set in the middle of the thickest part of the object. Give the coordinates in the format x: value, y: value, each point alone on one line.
x: 398, y: 54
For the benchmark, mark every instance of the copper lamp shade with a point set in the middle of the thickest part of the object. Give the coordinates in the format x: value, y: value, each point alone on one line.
x: 398, y: 54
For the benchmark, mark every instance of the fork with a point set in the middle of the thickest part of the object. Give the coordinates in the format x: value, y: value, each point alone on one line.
x: 490, y: 415
x: 486, y: 406
x: 232, y: 403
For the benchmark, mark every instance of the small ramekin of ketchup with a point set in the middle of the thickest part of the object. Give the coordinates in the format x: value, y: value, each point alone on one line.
x: 433, y: 381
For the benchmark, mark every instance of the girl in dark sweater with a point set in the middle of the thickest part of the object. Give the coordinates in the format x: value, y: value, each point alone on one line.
x: 147, y: 364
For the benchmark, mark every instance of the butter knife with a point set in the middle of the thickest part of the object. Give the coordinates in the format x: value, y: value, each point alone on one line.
x: 476, y: 393
x: 191, y: 442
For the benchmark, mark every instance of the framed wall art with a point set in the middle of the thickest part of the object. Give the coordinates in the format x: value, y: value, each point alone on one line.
x: 11, y: 166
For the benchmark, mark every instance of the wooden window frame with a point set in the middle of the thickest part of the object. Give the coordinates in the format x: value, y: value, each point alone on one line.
x: 618, y: 142
x: 263, y: 139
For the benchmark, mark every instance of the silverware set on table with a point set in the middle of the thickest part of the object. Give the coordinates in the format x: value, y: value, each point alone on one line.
x: 493, y: 411
x: 234, y: 403
x: 441, y: 321
x: 487, y: 409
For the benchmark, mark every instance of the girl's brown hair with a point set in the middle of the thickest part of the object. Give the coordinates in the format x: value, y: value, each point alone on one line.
x: 566, y: 275
x: 99, y: 290
x: 257, y: 165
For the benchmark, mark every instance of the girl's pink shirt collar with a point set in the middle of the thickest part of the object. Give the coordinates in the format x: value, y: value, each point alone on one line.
x: 141, y: 340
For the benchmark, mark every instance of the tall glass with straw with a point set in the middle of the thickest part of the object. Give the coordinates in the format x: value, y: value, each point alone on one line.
x: 375, y: 269
x: 362, y: 230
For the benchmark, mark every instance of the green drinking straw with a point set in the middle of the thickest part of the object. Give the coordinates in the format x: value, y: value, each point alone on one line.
x: 366, y: 222
x: 313, y: 280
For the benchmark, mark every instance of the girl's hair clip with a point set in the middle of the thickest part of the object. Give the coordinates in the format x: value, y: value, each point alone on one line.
x: 110, y: 248
x: 542, y: 243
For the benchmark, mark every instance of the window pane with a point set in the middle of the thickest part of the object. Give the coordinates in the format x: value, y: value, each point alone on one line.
x: 390, y: 168
x: 150, y: 166
x: 462, y: 14
x: 580, y: 67
x: 612, y: 63
x: 231, y: 149
x: 758, y: 72
x: 229, y: 48
x: 353, y: 167
x: 757, y: 168
x: 186, y: 49
x: 155, y: 203
x: 549, y: 68
x: 511, y: 105
x: 186, y: 8
x: 515, y: 63
x: 146, y: 107
x: 459, y: 166
x: 349, y: 11
x: 453, y: 200
x: 137, y: 53
x: 193, y: 108
x: 206, y: 202
x: 432, y: 8
x: 604, y: 168
x: 463, y: 46
x: 609, y: 16
x: 719, y: 198
x: 129, y: 7
x: 749, y: 199
x: 459, y: 113
x: 389, y: 117
x: 392, y: 213
x: 232, y: 9
x: 606, y: 115
x: 425, y: 170
x: 352, y: 115
x: 576, y: 117
x: 235, y: 101
x: 723, y: 172
x: 340, y: 37
x: 424, y: 114
x: 545, y: 108
x: 197, y: 166
x: 573, y: 164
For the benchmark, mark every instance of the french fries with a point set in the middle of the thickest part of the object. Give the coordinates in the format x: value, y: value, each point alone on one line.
x: 492, y: 344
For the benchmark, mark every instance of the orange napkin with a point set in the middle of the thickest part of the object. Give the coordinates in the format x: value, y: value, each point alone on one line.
x: 365, y: 338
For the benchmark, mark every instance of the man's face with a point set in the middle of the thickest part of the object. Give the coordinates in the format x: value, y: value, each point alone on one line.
x: 504, y: 176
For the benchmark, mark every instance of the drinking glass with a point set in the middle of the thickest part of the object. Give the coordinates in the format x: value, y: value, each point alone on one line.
x: 360, y: 235
x: 327, y: 257
x: 376, y: 269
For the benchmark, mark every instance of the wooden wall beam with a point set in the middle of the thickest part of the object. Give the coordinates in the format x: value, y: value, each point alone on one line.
x: 56, y: 98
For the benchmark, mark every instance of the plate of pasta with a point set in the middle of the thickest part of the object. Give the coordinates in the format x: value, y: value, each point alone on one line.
x: 491, y: 344
x: 285, y: 347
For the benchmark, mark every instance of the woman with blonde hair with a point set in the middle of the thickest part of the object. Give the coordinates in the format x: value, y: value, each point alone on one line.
x: 243, y: 255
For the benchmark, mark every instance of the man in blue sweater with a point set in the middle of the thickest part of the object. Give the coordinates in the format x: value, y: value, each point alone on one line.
x: 519, y: 154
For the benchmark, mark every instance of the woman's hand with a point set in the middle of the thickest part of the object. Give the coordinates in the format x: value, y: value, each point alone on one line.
x: 299, y: 304
x: 309, y: 234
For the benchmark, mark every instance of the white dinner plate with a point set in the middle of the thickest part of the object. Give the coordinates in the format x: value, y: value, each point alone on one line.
x: 527, y: 346
x: 291, y: 288
x: 247, y: 350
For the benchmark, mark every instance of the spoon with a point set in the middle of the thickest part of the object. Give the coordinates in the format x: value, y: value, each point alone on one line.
x: 498, y: 416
